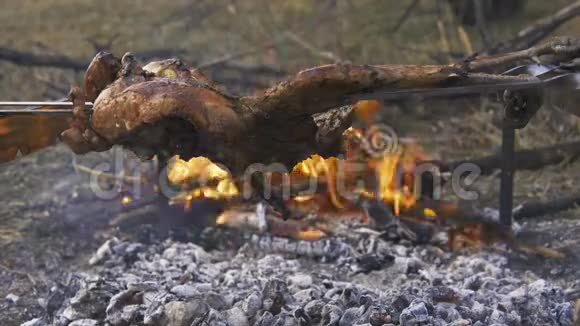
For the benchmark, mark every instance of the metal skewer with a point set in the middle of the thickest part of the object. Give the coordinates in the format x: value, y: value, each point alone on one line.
x: 36, y: 108
x: 566, y: 81
x: 35, y: 112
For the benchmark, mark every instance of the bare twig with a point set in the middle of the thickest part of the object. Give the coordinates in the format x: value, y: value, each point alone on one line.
x: 31, y: 59
x: 481, y: 24
x: 538, y: 30
x: 64, y: 62
x: 215, y: 68
x: 564, y: 48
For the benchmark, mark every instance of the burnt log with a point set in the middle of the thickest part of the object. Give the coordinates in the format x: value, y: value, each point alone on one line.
x: 545, y: 207
x: 532, y: 159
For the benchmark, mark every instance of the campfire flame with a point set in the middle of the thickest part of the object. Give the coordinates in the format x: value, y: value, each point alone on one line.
x: 387, y: 177
x: 200, y: 178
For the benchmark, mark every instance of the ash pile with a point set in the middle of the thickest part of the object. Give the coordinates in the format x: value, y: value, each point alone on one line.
x: 276, y: 281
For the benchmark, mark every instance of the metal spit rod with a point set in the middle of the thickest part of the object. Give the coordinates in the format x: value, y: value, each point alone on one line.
x: 39, y: 108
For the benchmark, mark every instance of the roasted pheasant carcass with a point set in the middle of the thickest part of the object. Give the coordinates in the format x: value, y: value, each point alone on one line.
x: 165, y: 108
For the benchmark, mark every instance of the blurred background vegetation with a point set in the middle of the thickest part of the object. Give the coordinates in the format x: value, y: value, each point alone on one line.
x: 282, y: 35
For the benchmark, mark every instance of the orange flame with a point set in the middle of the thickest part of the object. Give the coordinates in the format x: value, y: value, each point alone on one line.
x: 388, y: 177
x: 200, y: 178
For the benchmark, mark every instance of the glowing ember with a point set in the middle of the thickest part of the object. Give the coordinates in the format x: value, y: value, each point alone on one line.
x: 126, y: 200
x: 318, y: 167
x: 428, y: 212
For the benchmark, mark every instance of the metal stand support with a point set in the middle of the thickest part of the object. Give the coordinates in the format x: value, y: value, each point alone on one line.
x: 507, y: 176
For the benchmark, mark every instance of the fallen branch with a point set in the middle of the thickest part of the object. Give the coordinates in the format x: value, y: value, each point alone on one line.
x: 532, y: 159
x: 546, y: 207
x: 47, y: 60
x: 466, y: 212
x: 536, y: 32
x: 64, y: 62
x: 561, y: 49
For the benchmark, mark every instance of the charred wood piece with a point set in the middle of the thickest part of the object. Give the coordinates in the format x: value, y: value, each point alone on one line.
x: 532, y: 159
x: 546, y: 207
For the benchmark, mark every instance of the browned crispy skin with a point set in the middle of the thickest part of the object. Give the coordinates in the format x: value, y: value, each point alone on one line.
x: 170, y: 110
x: 276, y: 127
x: 166, y: 108
x: 102, y: 71
x: 145, y: 103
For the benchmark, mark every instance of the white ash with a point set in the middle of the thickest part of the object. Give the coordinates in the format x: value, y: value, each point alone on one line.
x: 12, y: 298
x: 330, y: 283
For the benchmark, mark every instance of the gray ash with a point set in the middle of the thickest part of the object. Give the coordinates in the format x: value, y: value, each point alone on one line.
x: 273, y: 281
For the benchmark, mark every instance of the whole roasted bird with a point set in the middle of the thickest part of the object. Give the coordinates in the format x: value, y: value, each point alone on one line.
x: 166, y: 108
